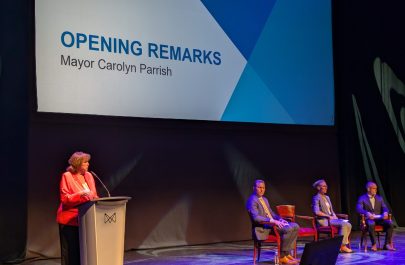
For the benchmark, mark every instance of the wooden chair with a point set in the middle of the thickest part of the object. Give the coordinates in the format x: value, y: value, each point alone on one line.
x: 287, y: 212
x: 329, y: 230
x: 364, y: 231
x: 274, y: 237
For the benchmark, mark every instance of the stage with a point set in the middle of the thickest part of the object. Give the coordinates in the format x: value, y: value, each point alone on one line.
x: 242, y: 252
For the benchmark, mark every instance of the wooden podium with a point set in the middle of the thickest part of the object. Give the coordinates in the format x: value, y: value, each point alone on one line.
x: 102, y: 231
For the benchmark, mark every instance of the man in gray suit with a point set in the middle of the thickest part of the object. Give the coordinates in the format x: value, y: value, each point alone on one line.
x: 264, y: 219
x: 376, y: 212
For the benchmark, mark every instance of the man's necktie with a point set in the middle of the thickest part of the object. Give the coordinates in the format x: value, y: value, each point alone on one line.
x: 266, y: 209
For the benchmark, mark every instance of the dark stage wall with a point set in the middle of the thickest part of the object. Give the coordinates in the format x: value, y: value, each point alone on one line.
x: 189, y: 180
x: 14, y: 122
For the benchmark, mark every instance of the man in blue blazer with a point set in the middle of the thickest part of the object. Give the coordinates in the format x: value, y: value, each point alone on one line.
x: 376, y: 212
x: 264, y: 219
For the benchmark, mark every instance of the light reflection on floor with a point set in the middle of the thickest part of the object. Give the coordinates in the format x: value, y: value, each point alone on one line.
x: 238, y: 253
x: 241, y: 253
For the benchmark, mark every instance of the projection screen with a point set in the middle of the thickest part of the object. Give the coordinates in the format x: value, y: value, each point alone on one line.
x: 245, y: 61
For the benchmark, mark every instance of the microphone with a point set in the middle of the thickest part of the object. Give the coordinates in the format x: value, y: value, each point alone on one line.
x: 95, y: 175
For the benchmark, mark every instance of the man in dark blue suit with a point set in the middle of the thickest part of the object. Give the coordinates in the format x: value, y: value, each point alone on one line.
x: 372, y: 206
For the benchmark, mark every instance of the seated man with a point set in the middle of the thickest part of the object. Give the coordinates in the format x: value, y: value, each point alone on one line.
x: 322, y: 207
x: 372, y: 206
x: 264, y: 219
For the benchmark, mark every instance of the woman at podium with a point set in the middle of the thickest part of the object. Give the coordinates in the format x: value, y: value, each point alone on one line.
x: 76, y: 187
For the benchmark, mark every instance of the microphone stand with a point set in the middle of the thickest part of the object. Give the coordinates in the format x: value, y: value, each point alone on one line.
x: 95, y: 175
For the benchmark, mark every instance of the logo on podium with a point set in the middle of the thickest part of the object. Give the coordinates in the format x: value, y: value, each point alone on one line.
x: 110, y: 218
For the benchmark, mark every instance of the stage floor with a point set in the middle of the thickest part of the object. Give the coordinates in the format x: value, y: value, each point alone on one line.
x: 238, y: 253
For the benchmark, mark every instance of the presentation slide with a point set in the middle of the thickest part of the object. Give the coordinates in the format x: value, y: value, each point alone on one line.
x: 262, y: 61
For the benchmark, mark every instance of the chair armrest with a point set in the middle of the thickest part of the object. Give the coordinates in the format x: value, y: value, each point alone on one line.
x: 267, y: 223
x: 318, y: 217
x: 273, y: 230
x: 363, y: 225
x: 309, y: 218
x: 362, y: 218
x: 289, y: 219
x: 321, y: 217
x: 305, y: 217
x: 342, y: 216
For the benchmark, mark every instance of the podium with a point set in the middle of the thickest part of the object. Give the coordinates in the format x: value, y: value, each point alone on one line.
x: 102, y: 231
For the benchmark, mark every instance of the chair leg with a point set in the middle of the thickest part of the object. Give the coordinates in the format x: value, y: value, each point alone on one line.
x: 279, y: 249
x: 363, y: 240
x: 295, y: 249
x: 256, y: 251
x: 378, y: 239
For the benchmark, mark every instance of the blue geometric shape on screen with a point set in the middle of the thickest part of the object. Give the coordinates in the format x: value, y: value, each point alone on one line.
x: 293, y: 57
x: 242, y: 20
x: 252, y: 101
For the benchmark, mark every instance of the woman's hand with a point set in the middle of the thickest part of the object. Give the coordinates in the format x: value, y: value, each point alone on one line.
x: 86, y: 194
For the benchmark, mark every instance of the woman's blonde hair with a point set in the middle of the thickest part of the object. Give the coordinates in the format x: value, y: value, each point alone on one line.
x: 76, y: 160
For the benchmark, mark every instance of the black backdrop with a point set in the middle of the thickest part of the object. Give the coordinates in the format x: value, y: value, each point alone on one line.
x: 369, y: 143
x: 189, y: 179
x: 14, y: 121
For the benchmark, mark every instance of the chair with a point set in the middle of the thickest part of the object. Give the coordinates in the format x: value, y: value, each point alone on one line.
x: 329, y: 230
x: 274, y: 237
x: 287, y: 212
x: 364, y: 231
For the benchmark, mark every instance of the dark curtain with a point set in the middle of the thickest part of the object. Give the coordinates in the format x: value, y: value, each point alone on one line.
x: 369, y: 59
x: 14, y: 82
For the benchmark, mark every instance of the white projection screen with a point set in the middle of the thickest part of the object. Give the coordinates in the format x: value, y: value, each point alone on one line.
x: 244, y: 61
